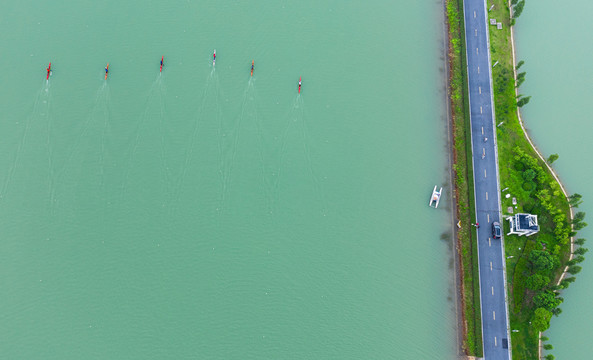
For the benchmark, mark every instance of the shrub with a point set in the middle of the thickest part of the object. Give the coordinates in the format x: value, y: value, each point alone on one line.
x: 529, y: 186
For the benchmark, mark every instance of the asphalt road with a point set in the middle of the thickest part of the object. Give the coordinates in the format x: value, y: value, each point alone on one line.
x: 495, y: 330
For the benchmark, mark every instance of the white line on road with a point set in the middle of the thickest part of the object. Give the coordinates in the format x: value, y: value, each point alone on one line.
x: 476, y: 32
x: 477, y: 51
x: 474, y: 14
x: 482, y: 130
x: 484, y: 172
x: 480, y: 89
x: 489, y: 244
x: 486, y: 195
x: 493, y: 315
x: 478, y: 69
x: 480, y: 109
x: 495, y: 341
x: 490, y: 265
x: 488, y: 215
x: 493, y: 291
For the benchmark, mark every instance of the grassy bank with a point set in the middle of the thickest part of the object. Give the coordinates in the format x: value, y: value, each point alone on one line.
x: 534, y: 264
x: 462, y: 167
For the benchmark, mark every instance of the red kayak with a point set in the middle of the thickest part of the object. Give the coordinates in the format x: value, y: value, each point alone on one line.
x: 106, y: 71
x: 48, y: 71
x: 252, y: 63
x: 214, y: 58
x: 162, y: 59
x: 299, y: 85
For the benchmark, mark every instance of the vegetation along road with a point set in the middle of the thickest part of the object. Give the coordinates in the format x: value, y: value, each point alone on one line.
x: 495, y: 328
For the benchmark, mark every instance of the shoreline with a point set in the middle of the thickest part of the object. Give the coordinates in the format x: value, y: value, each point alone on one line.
x: 521, y: 123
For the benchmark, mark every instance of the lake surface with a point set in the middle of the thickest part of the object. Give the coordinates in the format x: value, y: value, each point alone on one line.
x: 557, y: 55
x: 204, y: 213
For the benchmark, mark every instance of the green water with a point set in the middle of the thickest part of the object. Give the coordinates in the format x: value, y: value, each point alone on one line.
x: 202, y: 213
x: 558, y: 118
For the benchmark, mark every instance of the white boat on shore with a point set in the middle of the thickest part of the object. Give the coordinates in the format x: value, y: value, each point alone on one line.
x: 435, y: 197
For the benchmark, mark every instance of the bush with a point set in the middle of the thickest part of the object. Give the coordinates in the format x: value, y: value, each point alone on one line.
x: 529, y: 186
x: 519, y: 166
x: 541, y: 319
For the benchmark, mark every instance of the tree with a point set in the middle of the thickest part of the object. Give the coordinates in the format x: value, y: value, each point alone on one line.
x: 529, y: 175
x: 575, y: 200
x: 580, y: 251
x: 580, y: 241
x: 575, y: 269
x: 579, y: 225
x: 576, y: 260
x: 548, y: 347
x: 570, y: 279
x: 541, y: 319
x: 552, y: 158
x: 547, y: 300
x: 520, y: 78
x: 518, y: 9
x: 544, y: 338
x: 541, y: 260
x: 523, y: 101
x: 537, y: 282
x: 549, y: 357
x: 520, y: 63
x: 578, y: 217
x: 556, y: 311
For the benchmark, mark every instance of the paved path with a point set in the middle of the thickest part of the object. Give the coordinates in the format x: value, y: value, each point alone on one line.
x: 487, y: 189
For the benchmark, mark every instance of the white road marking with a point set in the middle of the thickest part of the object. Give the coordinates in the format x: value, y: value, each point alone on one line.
x: 477, y: 51
x: 495, y: 341
x: 478, y: 69
x: 480, y: 89
x: 493, y: 291
x: 476, y: 32
x: 480, y: 109
x: 484, y: 172
x: 490, y: 265
x: 482, y: 130
x: 488, y: 215
x: 486, y: 195
x: 474, y: 14
x: 493, y: 315
x: 489, y: 244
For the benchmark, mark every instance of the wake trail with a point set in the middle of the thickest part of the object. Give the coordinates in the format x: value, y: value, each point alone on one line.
x: 189, y: 151
x: 21, y: 144
x: 291, y: 117
x: 227, y: 171
x: 307, y: 151
x: 138, y: 132
x: 165, y: 169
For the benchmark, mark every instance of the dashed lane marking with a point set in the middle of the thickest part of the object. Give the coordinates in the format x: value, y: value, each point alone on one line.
x: 486, y: 195
x: 480, y: 89
x: 493, y: 291
x: 478, y: 69
x: 480, y: 109
x: 493, y: 315
x: 474, y: 14
x: 484, y: 172
x: 488, y: 215
x: 489, y: 244
x: 490, y: 265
